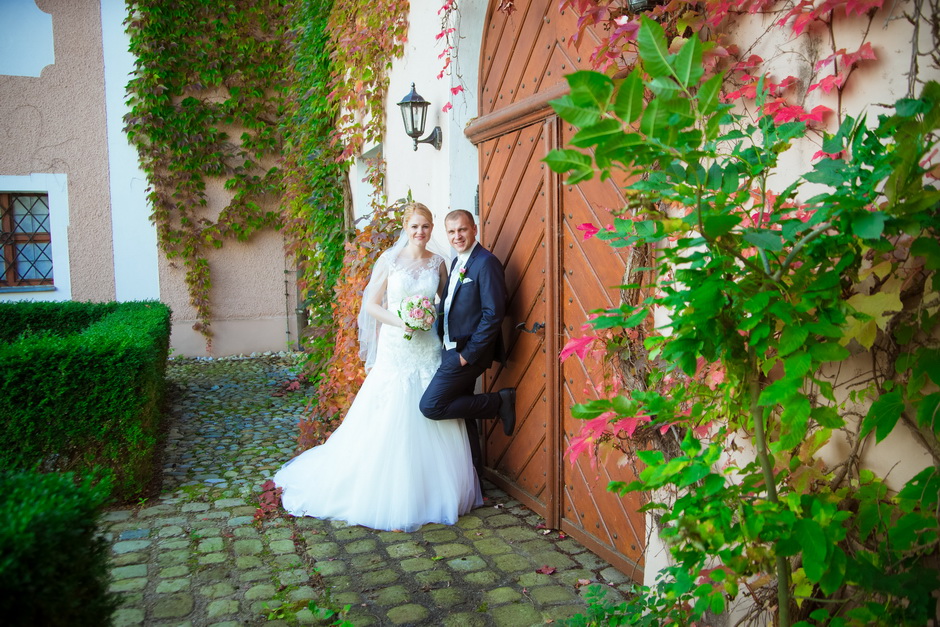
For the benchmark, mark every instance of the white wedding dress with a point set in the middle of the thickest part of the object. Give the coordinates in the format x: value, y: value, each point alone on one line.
x: 387, y: 466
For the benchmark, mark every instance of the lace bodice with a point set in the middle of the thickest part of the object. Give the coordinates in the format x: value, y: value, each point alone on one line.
x: 422, y: 352
x: 409, y: 277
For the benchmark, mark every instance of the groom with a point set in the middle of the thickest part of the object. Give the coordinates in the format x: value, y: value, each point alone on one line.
x: 470, y: 317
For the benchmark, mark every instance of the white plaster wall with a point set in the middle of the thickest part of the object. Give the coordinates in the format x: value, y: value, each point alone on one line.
x: 134, y: 236
x: 447, y: 179
x: 54, y: 124
x: 873, y: 86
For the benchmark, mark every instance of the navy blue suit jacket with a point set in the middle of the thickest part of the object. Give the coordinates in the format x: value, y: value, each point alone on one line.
x: 477, y: 311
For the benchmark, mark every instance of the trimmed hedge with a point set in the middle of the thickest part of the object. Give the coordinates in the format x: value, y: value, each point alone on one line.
x: 74, y: 398
x: 17, y: 319
x: 54, y: 565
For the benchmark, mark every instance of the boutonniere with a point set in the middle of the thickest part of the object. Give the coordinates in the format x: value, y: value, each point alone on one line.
x: 462, y: 274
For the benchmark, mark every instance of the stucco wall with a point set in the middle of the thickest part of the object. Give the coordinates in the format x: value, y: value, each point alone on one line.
x: 62, y: 131
x: 254, y: 298
x: 55, y: 124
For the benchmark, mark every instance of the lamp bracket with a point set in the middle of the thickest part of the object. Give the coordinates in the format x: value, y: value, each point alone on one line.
x: 434, y: 139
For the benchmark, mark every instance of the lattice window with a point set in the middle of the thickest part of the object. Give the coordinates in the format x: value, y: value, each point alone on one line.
x: 25, y: 227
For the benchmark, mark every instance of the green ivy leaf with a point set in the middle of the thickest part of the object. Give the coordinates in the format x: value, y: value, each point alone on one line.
x: 664, y: 87
x: 718, y: 225
x: 651, y: 458
x: 928, y: 413
x: 883, y: 414
x: 792, y: 338
x: 628, y: 104
x: 689, y: 69
x: 869, y: 225
x: 655, y: 120
x: 596, y: 133
x: 827, y: 417
x: 765, y: 240
x: 779, y: 391
x: 590, y: 89
x: 923, y: 489
x: 828, y: 351
x: 651, y: 41
x: 929, y: 249
x: 815, y: 548
x: 794, y: 420
x: 834, y: 575
x: 636, y: 319
x: 928, y: 362
x: 565, y: 160
x: 577, y: 114
x: 624, y: 406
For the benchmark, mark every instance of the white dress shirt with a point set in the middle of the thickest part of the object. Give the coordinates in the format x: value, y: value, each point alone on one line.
x: 451, y: 288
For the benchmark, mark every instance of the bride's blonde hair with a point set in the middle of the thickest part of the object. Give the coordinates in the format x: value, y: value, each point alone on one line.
x: 413, y: 208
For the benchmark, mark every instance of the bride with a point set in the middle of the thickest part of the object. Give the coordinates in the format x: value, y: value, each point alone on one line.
x: 387, y: 466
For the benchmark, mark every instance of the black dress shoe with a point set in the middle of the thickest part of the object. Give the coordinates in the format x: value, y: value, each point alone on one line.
x: 507, y: 409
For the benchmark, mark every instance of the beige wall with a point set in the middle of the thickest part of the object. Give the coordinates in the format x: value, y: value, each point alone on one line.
x: 252, y: 312
x: 55, y: 123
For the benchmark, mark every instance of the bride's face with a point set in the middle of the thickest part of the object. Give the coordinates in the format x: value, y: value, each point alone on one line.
x: 419, y: 230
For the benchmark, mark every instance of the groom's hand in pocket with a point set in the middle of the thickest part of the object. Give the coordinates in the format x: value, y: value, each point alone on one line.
x: 463, y: 362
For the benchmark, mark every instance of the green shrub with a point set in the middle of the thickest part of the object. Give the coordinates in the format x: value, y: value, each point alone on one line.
x: 27, y: 318
x: 53, y: 562
x: 89, y: 398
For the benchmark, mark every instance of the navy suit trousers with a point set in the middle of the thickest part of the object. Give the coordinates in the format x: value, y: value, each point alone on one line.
x: 451, y: 395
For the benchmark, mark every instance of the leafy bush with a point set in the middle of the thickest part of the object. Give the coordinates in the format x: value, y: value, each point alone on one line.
x: 94, y: 397
x: 766, y: 295
x: 53, y: 563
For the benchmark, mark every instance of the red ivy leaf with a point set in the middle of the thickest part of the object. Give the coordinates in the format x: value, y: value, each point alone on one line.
x: 589, y: 230
x: 861, y: 7
x: 829, y: 83
x: 577, y: 345
x: 816, y: 115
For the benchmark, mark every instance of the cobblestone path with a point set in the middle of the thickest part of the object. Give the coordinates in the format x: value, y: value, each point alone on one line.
x: 196, y: 555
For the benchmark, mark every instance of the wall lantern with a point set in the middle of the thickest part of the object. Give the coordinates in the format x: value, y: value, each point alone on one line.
x: 414, y: 112
x: 640, y: 6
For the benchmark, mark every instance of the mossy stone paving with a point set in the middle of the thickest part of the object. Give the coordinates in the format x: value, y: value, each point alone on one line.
x: 196, y: 555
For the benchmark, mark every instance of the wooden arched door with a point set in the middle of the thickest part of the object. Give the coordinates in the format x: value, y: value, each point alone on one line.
x: 555, y: 277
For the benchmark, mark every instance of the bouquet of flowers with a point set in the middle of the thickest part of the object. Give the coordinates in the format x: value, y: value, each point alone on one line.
x: 418, y: 312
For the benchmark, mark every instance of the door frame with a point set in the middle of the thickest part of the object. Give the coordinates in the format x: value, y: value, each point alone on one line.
x: 536, y: 110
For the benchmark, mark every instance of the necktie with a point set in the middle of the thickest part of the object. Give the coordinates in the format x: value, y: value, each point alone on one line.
x: 451, y: 287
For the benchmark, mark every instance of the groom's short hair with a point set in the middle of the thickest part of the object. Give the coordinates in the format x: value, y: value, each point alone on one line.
x: 453, y: 215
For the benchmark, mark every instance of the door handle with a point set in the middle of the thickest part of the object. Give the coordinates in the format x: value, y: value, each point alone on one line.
x: 536, y: 327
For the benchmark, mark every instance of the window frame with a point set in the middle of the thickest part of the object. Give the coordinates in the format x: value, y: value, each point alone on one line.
x: 55, y: 188
x: 8, y: 277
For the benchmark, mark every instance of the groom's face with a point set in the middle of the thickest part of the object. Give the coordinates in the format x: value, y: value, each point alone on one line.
x: 461, y: 233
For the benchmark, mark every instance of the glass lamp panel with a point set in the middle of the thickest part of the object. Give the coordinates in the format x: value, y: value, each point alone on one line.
x: 407, y: 116
x: 421, y: 114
